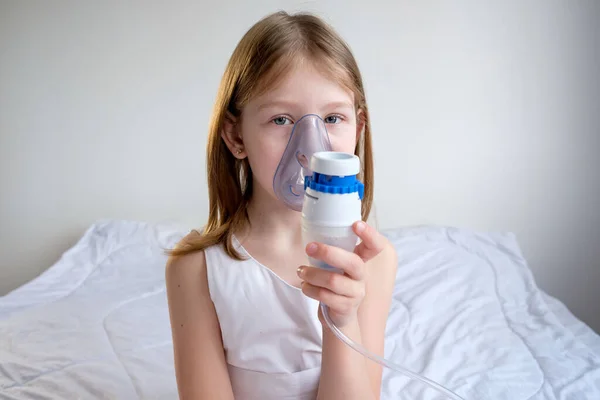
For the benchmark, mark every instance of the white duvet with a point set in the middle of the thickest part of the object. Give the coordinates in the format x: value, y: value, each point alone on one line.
x: 466, y: 314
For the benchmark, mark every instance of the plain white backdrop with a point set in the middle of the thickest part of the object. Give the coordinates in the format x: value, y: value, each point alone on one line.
x: 485, y: 114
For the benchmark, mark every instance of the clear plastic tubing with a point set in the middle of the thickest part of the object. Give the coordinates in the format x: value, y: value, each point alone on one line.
x: 382, y: 361
x: 331, y: 204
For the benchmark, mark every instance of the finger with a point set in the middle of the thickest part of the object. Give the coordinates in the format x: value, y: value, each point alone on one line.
x: 337, y: 303
x: 372, y: 242
x: 339, y: 258
x: 337, y: 283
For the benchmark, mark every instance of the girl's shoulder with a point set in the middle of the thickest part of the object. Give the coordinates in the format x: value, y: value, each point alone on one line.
x: 188, y: 265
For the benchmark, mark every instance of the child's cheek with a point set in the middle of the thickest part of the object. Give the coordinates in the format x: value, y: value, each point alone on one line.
x: 344, y: 143
x: 343, y: 137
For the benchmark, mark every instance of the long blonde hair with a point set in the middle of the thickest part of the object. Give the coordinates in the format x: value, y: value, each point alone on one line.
x: 262, y: 57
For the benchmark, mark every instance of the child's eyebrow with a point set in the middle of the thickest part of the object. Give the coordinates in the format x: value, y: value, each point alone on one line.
x: 338, y: 104
x: 276, y: 103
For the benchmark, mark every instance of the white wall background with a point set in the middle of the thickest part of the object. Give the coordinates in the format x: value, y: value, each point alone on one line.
x: 485, y: 115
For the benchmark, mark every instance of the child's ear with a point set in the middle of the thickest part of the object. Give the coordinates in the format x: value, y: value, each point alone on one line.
x: 230, y: 133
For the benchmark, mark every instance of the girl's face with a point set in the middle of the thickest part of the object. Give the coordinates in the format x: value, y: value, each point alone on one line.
x: 267, y: 121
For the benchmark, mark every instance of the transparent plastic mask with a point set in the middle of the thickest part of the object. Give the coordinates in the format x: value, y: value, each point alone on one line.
x: 309, y: 136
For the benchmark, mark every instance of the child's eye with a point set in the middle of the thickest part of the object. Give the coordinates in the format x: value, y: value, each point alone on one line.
x: 333, y: 119
x: 281, y: 121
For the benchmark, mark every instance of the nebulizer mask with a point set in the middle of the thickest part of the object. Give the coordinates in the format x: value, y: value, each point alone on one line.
x: 323, y: 185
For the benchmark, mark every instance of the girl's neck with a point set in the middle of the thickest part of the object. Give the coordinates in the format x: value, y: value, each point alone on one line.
x: 269, y: 217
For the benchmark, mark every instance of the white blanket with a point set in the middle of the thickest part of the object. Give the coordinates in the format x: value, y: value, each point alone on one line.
x: 466, y: 314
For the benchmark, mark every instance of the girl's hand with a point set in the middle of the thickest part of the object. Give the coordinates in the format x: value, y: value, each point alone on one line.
x: 343, y: 294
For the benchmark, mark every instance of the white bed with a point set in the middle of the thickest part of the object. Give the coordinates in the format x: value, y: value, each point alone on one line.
x: 467, y: 314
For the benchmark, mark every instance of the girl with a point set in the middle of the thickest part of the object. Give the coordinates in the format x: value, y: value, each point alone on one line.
x: 243, y: 306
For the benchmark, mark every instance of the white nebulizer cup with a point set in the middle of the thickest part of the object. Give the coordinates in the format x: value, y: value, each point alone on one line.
x: 331, y: 205
x: 332, y: 202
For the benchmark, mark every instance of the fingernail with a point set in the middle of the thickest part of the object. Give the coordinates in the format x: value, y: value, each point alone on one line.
x: 360, y: 227
x: 300, y: 271
x: 311, y: 248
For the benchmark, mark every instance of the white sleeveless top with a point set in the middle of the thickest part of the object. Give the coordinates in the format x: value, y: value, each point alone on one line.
x: 271, y: 332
